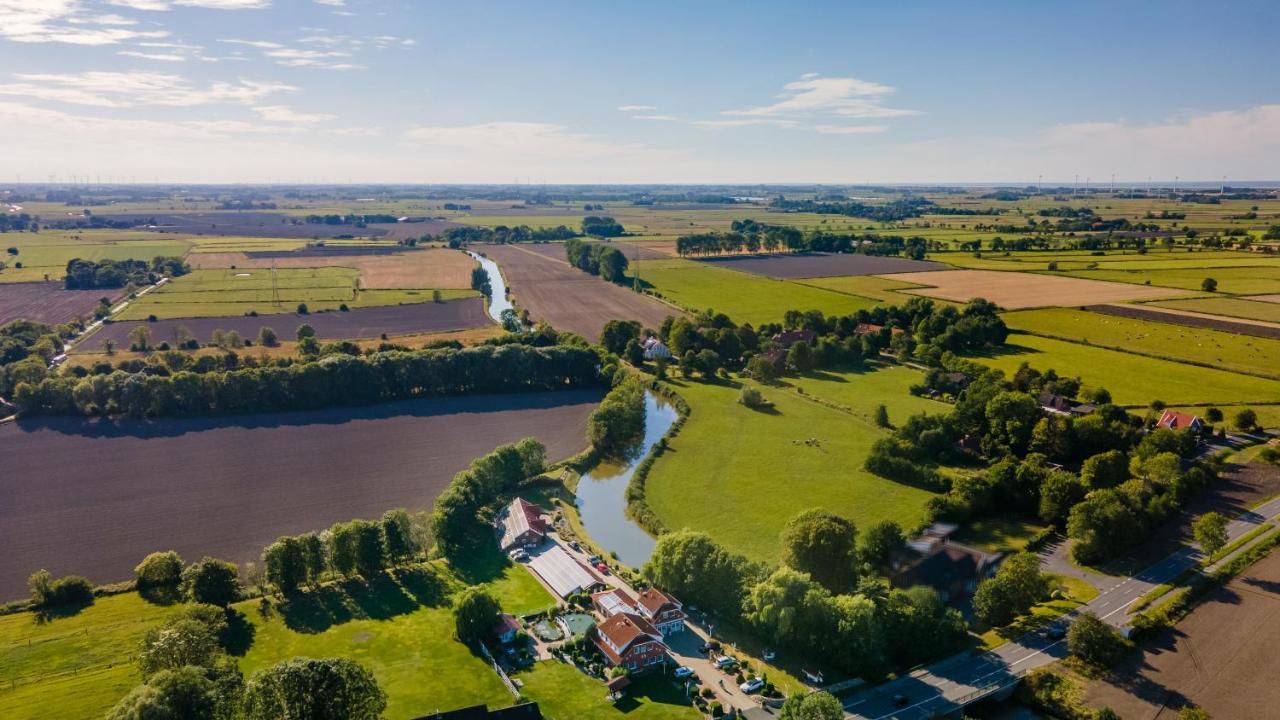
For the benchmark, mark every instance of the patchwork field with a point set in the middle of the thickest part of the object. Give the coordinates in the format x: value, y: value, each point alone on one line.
x: 740, y: 474
x: 109, y: 493
x: 1229, y: 351
x: 436, y: 268
x: 1233, y: 280
x: 1022, y: 290
x: 1263, y: 307
x: 1033, y: 261
x: 567, y: 298
x: 48, y: 302
x: 809, y: 265
x: 222, y: 293
x: 743, y: 297
x: 868, y: 286
x: 1134, y: 380
x: 1189, y: 318
x: 361, y: 323
x: 47, y: 253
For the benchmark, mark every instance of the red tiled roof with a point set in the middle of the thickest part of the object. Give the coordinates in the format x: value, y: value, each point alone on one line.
x: 1176, y: 420
x: 622, y: 630
x: 506, y: 623
x: 654, y: 599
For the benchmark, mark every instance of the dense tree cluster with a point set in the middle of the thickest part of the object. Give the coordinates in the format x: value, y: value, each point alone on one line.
x: 333, y: 380
x: 866, y: 632
x: 350, y: 219
x: 17, y: 222
x: 86, y: 274
x: 619, y: 419
x: 601, y: 226
x: 27, y: 348
x: 751, y: 236
x: 455, y: 521
x: 503, y: 234
x: 595, y: 258
x: 355, y: 548
x: 892, y: 211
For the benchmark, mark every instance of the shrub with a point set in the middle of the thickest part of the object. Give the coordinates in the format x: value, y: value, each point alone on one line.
x: 159, y: 569
x: 1096, y: 642
x: 752, y: 398
x: 211, y: 581
x: 70, y: 590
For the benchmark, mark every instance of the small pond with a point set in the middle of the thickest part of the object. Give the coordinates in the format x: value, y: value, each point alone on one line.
x: 602, y: 492
x: 547, y: 631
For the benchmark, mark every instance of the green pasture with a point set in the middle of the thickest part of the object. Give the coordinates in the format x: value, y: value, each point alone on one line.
x: 1236, y: 307
x: 867, y: 286
x: 1233, y: 280
x: 744, y: 297
x: 739, y: 474
x: 1132, y: 379
x: 1228, y: 351
x: 47, y: 253
x: 224, y: 293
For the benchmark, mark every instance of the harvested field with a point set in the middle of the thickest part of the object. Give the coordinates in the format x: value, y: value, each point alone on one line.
x: 1220, y: 658
x: 1189, y: 318
x: 406, y: 230
x: 1013, y: 290
x: 567, y: 298
x: 93, y: 499
x: 356, y: 324
x: 806, y: 265
x: 48, y: 302
x: 379, y: 268
x: 245, y: 224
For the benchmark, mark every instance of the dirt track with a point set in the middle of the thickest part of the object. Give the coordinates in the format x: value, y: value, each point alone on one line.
x: 810, y: 265
x: 567, y: 298
x: 48, y: 302
x: 357, y: 324
x: 1255, y: 328
x: 1220, y: 658
x: 79, y: 497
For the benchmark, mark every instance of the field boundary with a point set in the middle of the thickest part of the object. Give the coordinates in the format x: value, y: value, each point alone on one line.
x: 1051, y: 336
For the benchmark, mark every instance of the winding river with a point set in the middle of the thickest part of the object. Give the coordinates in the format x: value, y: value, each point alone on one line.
x: 602, y: 492
x: 500, y: 301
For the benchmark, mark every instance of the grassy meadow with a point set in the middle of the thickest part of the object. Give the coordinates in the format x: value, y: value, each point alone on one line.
x: 1229, y: 306
x: 739, y: 474
x: 1254, y: 280
x: 1228, y: 351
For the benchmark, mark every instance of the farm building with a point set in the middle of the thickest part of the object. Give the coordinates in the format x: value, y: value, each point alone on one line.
x: 654, y: 349
x: 789, y: 338
x: 522, y: 525
x: 1172, y: 420
x: 629, y: 641
x: 564, y: 575
x: 934, y: 559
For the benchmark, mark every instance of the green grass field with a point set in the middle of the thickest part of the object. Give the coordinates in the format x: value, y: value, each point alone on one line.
x: 222, y: 293
x: 740, y: 474
x: 403, y: 632
x: 744, y: 298
x: 47, y: 252
x: 867, y: 286
x: 1233, y: 280
x: 1133, y: 379
x: 1229, y: 351
x: 1229, y: 306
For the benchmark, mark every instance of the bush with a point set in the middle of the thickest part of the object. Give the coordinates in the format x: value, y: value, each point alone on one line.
x: 1096, y: 642
x: 159, y: 569
x: 70, y: 590
x: 212, y: 581
x: 752, y: 398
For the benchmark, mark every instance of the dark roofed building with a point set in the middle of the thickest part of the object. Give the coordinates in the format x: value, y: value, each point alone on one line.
x: 935, y: 560
x: 791, y: 337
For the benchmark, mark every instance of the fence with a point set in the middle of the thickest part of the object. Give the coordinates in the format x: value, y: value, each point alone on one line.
x: 502, y: 674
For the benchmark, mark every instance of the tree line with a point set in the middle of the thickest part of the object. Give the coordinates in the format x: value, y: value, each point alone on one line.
x: 752, y: 236
x: 88, y: 274
x: 892, y: 211
x: 330, y: 381
x: 596, y: 258
x: 502, y: 234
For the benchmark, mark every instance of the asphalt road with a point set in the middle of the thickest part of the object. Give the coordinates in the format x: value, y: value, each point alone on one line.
x: 952, y: 683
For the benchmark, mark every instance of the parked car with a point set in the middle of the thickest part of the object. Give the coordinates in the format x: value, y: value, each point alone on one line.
x: 725, y: 661
x: 752, y: 686
x: 683, y: 672
x: 519, y: 555
x: 706, y: 647
x: 602, y: 568
x: 574, y: 544
x: 1057, y: 632
x: 769, y: 655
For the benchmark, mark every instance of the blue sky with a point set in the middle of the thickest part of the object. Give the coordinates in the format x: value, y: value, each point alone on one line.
x: 695, y: 91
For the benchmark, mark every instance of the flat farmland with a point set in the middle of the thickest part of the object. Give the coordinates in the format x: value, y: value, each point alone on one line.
x: 567, y: 298
x: 1229, y: 351
x: 1261, y: 307
x: 49, y: 251
x: 1233, y: 280
x: 244, y: 224
x: 1013, y: 290
x: 809, y: 265
x: 1220, y: 658
x: 48, y: 302
x: 1110, y: 260
x: 435, y: 268
x: 360, y: 323
x: 1133, y: 380
x: 740, y: 474
x: 1190, y: 318
x: 868, y: 286
x: 94, y: 498
x: 743, y: 297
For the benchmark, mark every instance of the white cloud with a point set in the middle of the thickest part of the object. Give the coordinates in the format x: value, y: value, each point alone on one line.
x: 286, y: 114
x: 65, y: 21
x: 261, y: 44
x: 331, y: 3
x: 745, y: 122
x: 160, y: 57
x: 636, y: 108
x: 815, y: 96
x: 164, y: 5
x: 850, y: 129
x: 129, y: 89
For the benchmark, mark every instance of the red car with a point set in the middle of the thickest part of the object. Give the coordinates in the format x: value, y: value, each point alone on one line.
x: 602, y: 568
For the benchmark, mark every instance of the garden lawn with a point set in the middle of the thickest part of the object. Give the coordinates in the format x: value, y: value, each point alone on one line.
x: 1234, y: 280
x: 1133, y: 380
x: 740, y: 474
x: 1229, y: 351
x: 743, y: 297
x: 563, y: 691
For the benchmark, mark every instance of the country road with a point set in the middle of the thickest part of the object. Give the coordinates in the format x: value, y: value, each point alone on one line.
x: 947, y: 685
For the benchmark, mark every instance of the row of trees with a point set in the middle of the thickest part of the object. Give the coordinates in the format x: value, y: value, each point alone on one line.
x: 619, y: 419
x: 456, y: 525
x: 595, y: 258
x: 502, y: 234
x: 889, y: 212
x: 752, y: 236
x: 361, y: 548
x: 87, y: 274
x: 333, y: 380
